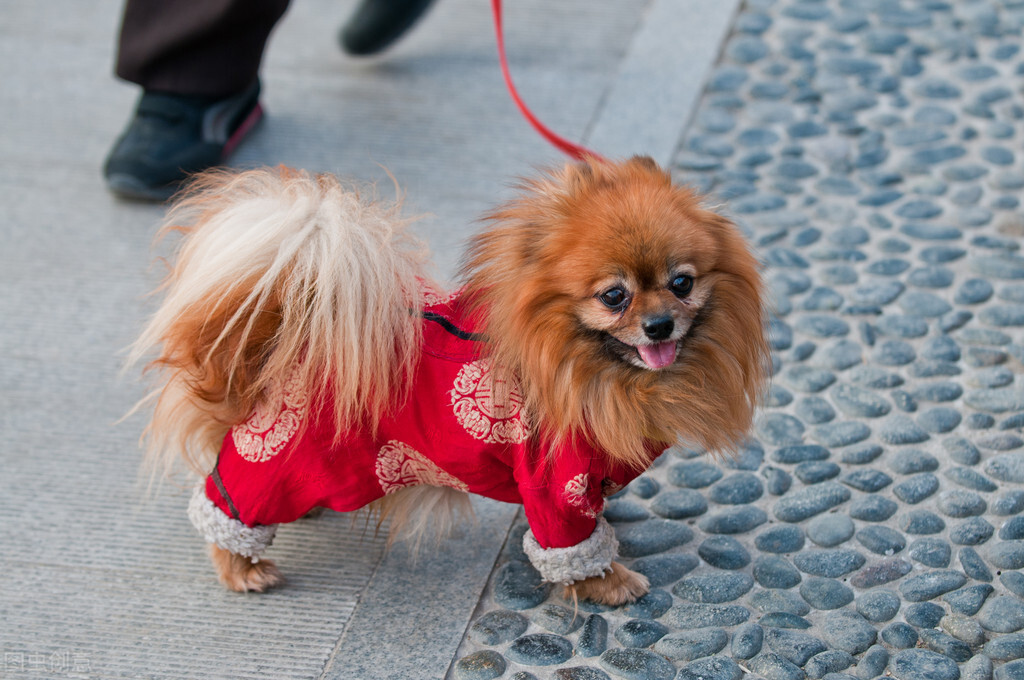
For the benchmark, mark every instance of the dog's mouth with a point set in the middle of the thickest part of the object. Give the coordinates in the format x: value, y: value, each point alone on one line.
x: 652, y: 357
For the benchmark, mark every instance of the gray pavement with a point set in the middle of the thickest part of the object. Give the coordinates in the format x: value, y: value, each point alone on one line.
x: 101, y: 579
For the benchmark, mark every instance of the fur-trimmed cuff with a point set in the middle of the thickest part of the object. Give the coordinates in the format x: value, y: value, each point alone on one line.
x: 227, y: 533
x: 592, y: 557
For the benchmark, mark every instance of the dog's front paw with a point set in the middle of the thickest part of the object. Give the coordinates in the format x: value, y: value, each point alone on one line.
x: 619, y: 586
x: 243, y: 575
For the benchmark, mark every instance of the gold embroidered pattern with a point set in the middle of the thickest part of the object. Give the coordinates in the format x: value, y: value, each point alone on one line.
x: 399, y: 465
x: 488, y: 408
x: 273, y: 424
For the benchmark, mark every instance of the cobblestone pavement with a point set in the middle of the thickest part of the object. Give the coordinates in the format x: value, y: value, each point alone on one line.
x: 873, y: 526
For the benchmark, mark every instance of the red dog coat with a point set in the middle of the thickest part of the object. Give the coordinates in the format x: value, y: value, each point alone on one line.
x: 454, y: 430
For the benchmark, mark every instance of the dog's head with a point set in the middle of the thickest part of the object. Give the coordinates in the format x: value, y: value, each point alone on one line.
x: 606, y: 282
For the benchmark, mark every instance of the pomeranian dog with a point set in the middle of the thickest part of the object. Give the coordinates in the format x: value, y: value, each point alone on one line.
x: 306, y: 360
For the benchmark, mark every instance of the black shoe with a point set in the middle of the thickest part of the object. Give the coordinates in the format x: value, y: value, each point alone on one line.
x: 376, y: 24
x: 173, y: 136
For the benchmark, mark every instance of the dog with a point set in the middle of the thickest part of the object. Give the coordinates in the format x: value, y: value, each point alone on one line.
x: 306, y: 360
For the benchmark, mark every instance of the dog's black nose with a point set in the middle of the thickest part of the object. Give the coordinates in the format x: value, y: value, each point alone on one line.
x: 658, y: 328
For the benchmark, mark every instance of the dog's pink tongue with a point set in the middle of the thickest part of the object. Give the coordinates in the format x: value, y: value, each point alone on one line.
x: 659, y: 355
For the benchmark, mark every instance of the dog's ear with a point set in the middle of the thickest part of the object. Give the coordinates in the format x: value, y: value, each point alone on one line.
x: 577, y: 177
x: 645, y: 162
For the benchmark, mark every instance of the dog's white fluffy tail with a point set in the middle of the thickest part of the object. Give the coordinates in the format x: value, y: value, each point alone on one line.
x: 280, y: 275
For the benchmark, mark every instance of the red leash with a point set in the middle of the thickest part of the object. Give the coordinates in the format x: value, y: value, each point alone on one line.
x: 571, y: 149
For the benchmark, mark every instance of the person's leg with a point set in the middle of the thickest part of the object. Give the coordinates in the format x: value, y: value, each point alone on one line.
x: 376, y: 24
x: 198, y: 65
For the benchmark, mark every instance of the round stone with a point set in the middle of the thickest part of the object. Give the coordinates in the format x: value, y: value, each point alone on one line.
x: 780, y: 429
x: 921, y: 522
x: 961, y: 503
x: 899, y: 635
x: 873, y: 663
x: 807, y: 378
x: 973, y: 565
x: 1008, y: 503
x: 648, y: 537
x: 967, y: 601
x: 519, y: 586
x: 1007, y: 467
x: 963, y: 628
x: 806, y: 503
x: 878, y: 605
x: 695, y: 615
x: 859, y: 402
x: 814, y: 410
x: 773, y: 666
x: 780, y: 539
x: 737, y: 489
x: 814, y: 472
x: 932, y: 552
x: 662, y: 570
x: 780, y: 601
x: 778, y: 481
x: 637, y: 664
x: 540, y: 649
x: 848, y: 631
x: 893, y: 353
x: 496, y: 627
x: 714, y: 668
x: 939, y: 419
x: 929, y: 585
x: 901, y: 326
x: 794, y: 646
x: 556, y: 619
x: 724, y: 552
x: 736, y: 520
x: 1002, y: 614
x: 922, y: 664
x: 867, y: 480
x: 972, y: 532
x: 772, y: 571
x: 962, y: 451
x: 747, y: 641
x: 881, y: 540
x: 640, y: 632
x: 593, y: 637
x: 644, y: 487
x: 714, y: 588
x: 842, y: 434
x: 694, y: 475
x: 861, y: 455
x: 1007, y: 555
x: 917, y: 488
x: 924, y: 614
x: 690, y: 645
x: 619, y: 510
x: 679, y: 504
x: 1005, y: 647
x: 483, y: 665
x: 800, y: 454
x: 828, y: 563
x: 909, y: 461
x: 830, y: 530
x: 873, y: 509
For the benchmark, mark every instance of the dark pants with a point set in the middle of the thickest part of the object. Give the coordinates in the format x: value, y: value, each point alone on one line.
x: 195, y: 47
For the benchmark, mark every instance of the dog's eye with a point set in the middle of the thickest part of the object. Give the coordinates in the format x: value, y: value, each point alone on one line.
x: 681, y: 285
x: 614, y: 298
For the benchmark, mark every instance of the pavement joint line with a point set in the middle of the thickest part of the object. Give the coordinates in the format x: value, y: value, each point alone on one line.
x: 646, y: 110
